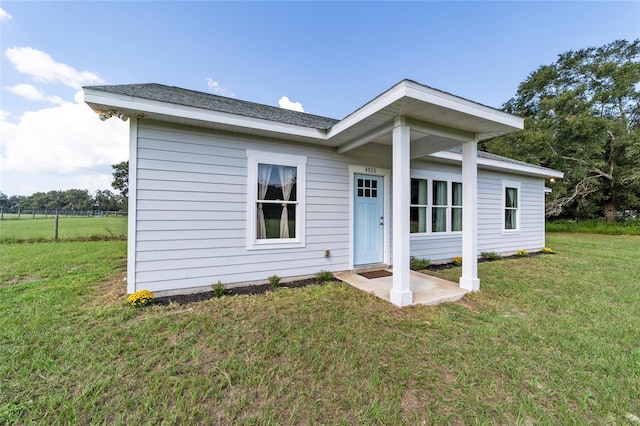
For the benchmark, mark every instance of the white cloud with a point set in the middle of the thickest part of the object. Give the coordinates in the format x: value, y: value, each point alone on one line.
x: 4, y: 115
x: 285, y: 103
x: 42, y: 67
x: 26, y: 91
x: 67, y: 139
x: 215, y: 87
x: 30, y: 92
x: 4, y: 15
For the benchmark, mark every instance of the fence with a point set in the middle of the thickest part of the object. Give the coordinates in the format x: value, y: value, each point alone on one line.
x: 10, y: 214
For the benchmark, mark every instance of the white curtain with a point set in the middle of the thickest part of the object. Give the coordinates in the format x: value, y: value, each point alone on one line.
x: 439, y: 220
x: 456, y: 200
x: 264, y: 175
x: 287, y: 175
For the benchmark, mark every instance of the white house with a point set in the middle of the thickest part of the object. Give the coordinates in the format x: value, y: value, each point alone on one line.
x: 229, y: 190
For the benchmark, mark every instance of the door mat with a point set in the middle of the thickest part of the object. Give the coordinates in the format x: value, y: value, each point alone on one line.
x: 375, y: 274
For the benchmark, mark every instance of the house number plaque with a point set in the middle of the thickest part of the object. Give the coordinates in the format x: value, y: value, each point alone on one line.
x: 370, y: 170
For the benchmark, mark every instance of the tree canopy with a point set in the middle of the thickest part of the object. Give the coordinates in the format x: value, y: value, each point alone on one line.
x: 582, y: 116
x: 121, y: 178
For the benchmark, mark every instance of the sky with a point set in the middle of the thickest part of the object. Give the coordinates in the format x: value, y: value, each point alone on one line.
x: 324, y: 58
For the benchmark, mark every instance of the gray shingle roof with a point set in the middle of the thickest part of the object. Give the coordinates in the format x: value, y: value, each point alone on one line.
x: 490, y: 156
x: 192, y: 98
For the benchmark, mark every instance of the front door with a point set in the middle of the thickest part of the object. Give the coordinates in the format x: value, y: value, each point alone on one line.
x: 368, y: 220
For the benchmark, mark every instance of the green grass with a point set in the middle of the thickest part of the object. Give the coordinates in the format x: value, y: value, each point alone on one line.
x: 548, y: 340
x: 595, y: 226
x: 69, y: 228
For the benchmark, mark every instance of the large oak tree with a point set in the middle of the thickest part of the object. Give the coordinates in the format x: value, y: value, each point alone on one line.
x: 582, y: 116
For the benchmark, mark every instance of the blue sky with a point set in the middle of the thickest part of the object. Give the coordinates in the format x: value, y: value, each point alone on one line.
x: 330, y: 57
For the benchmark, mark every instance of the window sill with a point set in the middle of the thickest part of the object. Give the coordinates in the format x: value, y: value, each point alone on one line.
x: 430, y: 235
x: 272, y: 245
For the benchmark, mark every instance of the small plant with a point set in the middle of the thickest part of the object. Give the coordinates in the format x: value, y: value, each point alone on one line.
x: 274, y: 282
x: 324, y: 276
x: 140, y: 298
x: 523, y: 253
x: 457, y: 260
x: 490, y: 255
x: 547, y: 250
x: 418, y: 264
x: 219, y: 289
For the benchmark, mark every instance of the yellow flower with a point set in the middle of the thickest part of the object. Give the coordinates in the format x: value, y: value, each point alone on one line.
x: 547, y: 250
x: 457, y: 260
x: 140, y: 298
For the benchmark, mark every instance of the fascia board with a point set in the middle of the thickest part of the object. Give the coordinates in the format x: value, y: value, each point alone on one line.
x: 380, y: 102
x: 486, y: 163
x: 143, y: 106
x: 455, y: 103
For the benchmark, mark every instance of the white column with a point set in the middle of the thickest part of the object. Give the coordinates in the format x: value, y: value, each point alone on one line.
x: 400, y: 294
x: 469, y: 279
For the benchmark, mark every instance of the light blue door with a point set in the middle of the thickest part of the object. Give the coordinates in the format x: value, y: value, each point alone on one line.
x: 368, y: 220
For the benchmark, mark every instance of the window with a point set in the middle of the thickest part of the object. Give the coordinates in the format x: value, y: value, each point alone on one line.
x: 511, y: 206
x: 275, y: 200
x: 419, y: 205
x: 432, y: 209
x: 456, y: 206
x: 439, y: 211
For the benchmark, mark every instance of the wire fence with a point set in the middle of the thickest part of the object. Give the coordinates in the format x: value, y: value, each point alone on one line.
x: 16, y: 214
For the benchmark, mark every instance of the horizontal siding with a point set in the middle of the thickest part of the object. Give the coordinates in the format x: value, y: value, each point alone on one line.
x: 191, y: 224
x: 191, y: 209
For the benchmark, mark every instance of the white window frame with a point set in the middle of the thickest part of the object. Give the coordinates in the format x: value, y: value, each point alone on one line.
x: 430, y: 178
x: 517, y: 186
x: 300, y: 162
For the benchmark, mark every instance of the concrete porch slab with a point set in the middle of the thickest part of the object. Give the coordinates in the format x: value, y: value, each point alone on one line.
x: 427, y: 290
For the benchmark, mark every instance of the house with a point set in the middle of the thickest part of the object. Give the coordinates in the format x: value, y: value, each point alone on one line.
x: 229, y: 190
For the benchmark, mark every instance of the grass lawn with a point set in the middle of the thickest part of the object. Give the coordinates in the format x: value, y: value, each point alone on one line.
x: 549, y: 339
x: 69, y: 228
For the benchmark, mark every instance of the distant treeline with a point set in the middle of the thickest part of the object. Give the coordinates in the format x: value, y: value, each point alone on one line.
x: 71, y: 199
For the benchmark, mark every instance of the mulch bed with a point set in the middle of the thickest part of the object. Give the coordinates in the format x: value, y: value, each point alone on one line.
x: 183, y: 299
x: 442, y: 266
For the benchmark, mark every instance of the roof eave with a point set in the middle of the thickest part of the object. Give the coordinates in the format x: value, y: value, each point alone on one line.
x: 101, y: 102
x: 490, y: 164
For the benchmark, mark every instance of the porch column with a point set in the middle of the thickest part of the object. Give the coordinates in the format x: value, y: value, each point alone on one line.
x: 400, y: 294
x: 469, y: 279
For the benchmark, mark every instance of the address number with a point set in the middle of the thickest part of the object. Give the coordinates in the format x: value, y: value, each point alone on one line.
x: 370, y: 170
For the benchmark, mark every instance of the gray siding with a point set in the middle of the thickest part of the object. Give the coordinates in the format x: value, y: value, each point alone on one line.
x: 191, y: 219
x: 191, y: 209
x: 491, y: 235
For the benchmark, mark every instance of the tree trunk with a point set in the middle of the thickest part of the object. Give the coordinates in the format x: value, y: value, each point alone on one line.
x: 610, y: 210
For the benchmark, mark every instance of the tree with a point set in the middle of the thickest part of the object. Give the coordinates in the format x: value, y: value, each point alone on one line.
x: 121, y: 178
x: 582, y: 116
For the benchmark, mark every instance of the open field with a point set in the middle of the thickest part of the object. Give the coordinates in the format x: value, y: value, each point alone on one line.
x: 69, y: 228
x: 548, y: 340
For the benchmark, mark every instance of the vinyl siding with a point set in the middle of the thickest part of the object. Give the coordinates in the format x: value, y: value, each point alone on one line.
x: 191, y: 209
x: 191, y: 201
x: 491, y: 235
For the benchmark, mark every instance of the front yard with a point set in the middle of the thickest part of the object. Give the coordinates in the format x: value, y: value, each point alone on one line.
x: 549, y: 339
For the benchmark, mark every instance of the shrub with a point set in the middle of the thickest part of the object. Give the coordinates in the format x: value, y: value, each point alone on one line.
x: 274, y: 281
x: 457, y: 260
x: 140, y: 298
x: 490, y: 255
x: 324, y: 276
x: 219, y: 289
x: 417, y: 264
x: 547, y: 250
x: 523, y: 253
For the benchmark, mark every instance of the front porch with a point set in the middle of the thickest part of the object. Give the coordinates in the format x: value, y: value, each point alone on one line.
x: 426, y: 289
